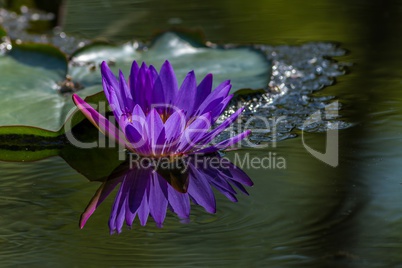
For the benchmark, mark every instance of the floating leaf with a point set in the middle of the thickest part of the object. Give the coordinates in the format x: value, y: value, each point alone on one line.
x: 42, y: 56
x: 26, y: 156
x: 249, y: 91
x: 22, y: 143
x: 25, y: 148
x: 36, y: 90
x: 245, y: 67
x: 25, y: 130
x: 30, y: 77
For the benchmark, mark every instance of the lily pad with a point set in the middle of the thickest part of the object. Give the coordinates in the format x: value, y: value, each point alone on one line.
x: 34, y: 148
x: 33, y: 75
x: 22, y: 143
x: 26, y: 156
x: 245, y: 67
x: 30, y: 77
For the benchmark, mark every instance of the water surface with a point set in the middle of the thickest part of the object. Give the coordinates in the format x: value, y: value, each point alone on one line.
x: 309, y: 213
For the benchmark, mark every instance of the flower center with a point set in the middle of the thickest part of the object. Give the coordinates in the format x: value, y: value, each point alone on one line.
x: 164, y: 117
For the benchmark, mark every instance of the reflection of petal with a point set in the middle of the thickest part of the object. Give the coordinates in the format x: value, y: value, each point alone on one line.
x: 100, y: 195
x: 179, y: 203
x: 93, y: 204
x: 149, y: 192
x: 143, y: 210
x: 138, y: 191
x: 104, y: 125
x: 201, y: 191
x: 158, y: 198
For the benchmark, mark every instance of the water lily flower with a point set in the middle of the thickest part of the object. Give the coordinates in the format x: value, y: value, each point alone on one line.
x: 150, y: 191
x: 157, y: 118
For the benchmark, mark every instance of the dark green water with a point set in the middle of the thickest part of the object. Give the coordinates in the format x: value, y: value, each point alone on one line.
x: 308, y: 214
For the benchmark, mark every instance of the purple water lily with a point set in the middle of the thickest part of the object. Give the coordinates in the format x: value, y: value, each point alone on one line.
x: 157, y: 118
x: 151, y: 191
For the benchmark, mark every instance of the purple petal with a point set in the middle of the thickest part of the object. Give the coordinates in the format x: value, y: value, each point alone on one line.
x: 229, y: 195
x: 100, y: 122
x: 108, y: 75
x: 114, y: 89
x: 214, y: 99
x: 187, y: 94
x: 138, y: 114
x: 211, y: 175
x: 240, y: 176
x: 127, y: 99
x: 112, y: 99
x: 104, y: 190
x: 158, y: 199
x: 147, y: 91
x: 200, y: 191
x: 140, y: 90
x: 203, y: 90
x: 225, y: 144
x: 130, y: 216
x: 139, y: 196
x: 179, y: 202
x: 222, y: 85
x: 139, y: 188
x: 169, y: 82
x: 211, y: 135
x: 91, y: 207
x: 154, y: 128
x: 174, y: 127
x: 218, y: 180
x: 194, y: 132
x: 137, y: 119
x: 122, y: 203
x: 143, y: 209
x: 133, y: 74
x: 132, y: 79
x: 234, y: 173
x: 153, y: 73
x: 165, y: 89
x: 240, y: 187
x: 160, y: 143
x: 135, y: 138
x: 218, y: 110
x: 134, y: 131
x: 158, y: 95
x: 117, y: 216
x: 138, y: 199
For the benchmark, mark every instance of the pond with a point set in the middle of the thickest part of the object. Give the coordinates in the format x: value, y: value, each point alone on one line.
x: 307, y: 212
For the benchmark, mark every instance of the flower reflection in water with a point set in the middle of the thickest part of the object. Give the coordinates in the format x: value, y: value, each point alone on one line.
x: 149, y: 188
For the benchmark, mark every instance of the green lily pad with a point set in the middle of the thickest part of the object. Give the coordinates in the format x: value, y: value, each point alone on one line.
x: 22, y: 143
x: 26, y: 156
x: 30, y: 77
x: 24, y: 130
x: 245, y: 67
x: 33, y: 148
x: 33, y: 77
